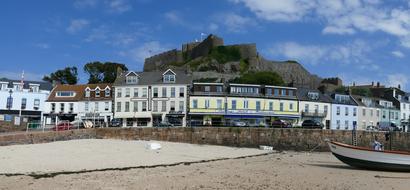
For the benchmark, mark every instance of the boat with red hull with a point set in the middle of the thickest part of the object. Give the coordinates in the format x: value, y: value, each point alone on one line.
x: 367, y: 158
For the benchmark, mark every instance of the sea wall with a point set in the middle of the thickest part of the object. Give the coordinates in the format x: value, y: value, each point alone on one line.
x: 280, y: 139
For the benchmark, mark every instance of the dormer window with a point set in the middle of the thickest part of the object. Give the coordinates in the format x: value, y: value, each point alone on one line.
x: 97, y: 92
x: 169, y: 76
x: 65, y: 94
x: 107, y: 92
x: 87, y: 93
x: 131, y: 78
x: 313, y: 95
x: 34, y: 87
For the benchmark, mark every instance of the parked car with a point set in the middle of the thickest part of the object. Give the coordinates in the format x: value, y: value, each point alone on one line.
x: 62, y: 126
x: 372, y: 128
x: 116, y: 122
x: 165, y: 124
x: 312, y: 124
x: 237, y: 123
x: 281, y: 124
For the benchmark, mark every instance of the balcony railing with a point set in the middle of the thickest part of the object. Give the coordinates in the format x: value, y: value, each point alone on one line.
x: 313, y: 114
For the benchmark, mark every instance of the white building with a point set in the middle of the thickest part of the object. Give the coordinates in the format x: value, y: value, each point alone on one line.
x: 80, y: 102
x: 313, y: 105
x: 150, y: 98
x: 344, y: 112
x: 26, y: 100
x: 405, y: 110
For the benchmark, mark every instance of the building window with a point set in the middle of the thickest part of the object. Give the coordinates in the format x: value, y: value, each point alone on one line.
x: 291, y: 106
x: 384, y: 114
x: 172, y: 106
x: 371, y: 112
x: 87, y: 93
x: 258, y: 106
x: 207, y: 88
x: 195, y: 104
x: 269, y: 91
x: 9, y: 102
x: 234, y: 104
x: 65, y: 94
x: 169, y: 78
x: 36, y: 104
x: 172, y: 92
x: 107, y: 106
x: 306, y: 107
x: 276, y: 92
x: 119, y: 92
x: 107, y: 92
x: 155, y: 93
x: 290, y: 92
x: 396, y: 116
x: 181, y: 92
x: 164, y: 92
x: 144, y: 92
x: 206, y: 104
x: 155, y: 106
x: 338, y: 110
x: 127, y: 92
x: 325, y: 109
x: 346, y: 124
x: 135, y: 104
x: 283, y: 92
x: 86, y: 105
x: 71, y: 107
x: 61, y: 107
x: 364, y: 112
x: 181, y: 106
x: 219, y: 104
x: 127, y: 107
x: 337, y: 124
x: 346, y: 111
x: 270, y: 106
x: 245, y: 104
x: 144, y: 106
x: 354, y: 111
x: 135, y: 92
x: 164, y: 106
x: 132, y: 79
x: 53, y: 107
x: 218, y: 88
x: 281, y: 106
x: 118, y: 107
x: 97, y: 93
x: 23, y: 103
x: 316, y: 108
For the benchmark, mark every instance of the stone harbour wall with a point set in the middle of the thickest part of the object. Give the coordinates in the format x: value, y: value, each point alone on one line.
x: 280, y: 139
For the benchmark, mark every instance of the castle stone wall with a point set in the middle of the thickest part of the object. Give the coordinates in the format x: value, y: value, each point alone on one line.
x: 157, y: 61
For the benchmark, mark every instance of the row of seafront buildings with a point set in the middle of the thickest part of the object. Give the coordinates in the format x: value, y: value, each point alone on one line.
x: 145, y: 99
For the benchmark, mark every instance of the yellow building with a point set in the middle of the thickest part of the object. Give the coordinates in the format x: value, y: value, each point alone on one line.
x: 218, y: 104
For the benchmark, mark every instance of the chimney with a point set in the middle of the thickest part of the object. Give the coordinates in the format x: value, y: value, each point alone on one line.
x: 378, y: 84
x: 372, y: 83
x: 354, y: 83
x: 399, y: 87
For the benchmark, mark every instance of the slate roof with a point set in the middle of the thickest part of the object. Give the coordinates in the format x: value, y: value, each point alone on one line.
x: 43, y: 85
x: 351, y: 101
x: 80, y: 92
x: 154, y: 77
x: 302, y: 94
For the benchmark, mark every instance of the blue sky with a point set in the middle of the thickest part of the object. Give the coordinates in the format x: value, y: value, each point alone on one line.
x: 358, y: 40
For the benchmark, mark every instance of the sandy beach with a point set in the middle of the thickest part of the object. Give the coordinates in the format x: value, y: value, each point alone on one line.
x: 279, y: 170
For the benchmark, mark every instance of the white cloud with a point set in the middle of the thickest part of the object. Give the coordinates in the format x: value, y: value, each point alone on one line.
x: 397, y: 79
x: 398, y: 54
x: 42, y: 45
x: 81, y: 4
x: 355, y: 53
x: 17, y: 75
x: 77, y: 25
x: 234, y: 22
x: 146, y: 50
x: 213, y: 27
x: 338, y: 16
x: 118, y: 6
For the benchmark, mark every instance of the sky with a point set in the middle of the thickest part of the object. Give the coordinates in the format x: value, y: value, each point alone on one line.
x: 357, y: 40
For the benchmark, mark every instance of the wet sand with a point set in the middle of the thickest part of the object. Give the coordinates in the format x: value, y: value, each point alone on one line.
x: 279, y: 170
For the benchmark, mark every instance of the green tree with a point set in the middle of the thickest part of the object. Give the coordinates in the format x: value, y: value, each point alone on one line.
x: 225, y: 54
x: 262, y: 78
x: 68, y: 75
x: 102, y: 72
x: 361, y: 91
